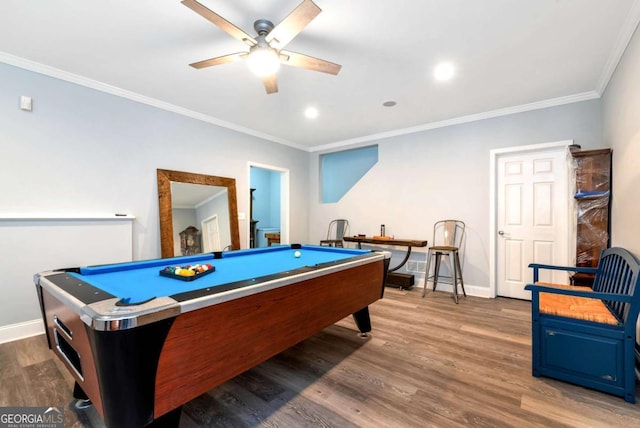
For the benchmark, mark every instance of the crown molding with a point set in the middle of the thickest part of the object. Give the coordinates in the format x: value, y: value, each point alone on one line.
x: 624, y: 37
x: 584, y: 96
x: 123, y: 93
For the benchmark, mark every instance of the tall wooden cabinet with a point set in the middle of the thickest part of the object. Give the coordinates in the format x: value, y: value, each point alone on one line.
x: 593, y: 205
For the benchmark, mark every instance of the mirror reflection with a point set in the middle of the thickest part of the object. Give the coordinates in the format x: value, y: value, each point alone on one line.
x: 198, y: 213
x: 200, y: 218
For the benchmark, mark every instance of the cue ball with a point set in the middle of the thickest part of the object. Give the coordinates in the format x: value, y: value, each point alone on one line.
x: 297, y: 254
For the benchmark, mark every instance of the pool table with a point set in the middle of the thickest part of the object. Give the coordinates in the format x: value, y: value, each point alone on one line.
x: 140, y: 344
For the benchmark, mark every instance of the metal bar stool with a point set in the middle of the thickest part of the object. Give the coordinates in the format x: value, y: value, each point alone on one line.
x: 337, y: 230
x: 447, y: 239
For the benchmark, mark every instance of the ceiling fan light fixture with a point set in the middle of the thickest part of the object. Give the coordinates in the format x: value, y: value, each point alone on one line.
x: 263, y: 61
x: 266, y: 48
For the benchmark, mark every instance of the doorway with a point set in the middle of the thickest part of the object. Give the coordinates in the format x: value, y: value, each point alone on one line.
x: 530, y: 216
x: 269, y: 205
x: 211, y: 234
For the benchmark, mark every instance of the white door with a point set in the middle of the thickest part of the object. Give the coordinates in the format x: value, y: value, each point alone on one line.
x: 532, y: 218
x: 211, y: 234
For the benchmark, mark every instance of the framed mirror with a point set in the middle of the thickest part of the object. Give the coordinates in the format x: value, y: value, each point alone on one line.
x: 210, y: 207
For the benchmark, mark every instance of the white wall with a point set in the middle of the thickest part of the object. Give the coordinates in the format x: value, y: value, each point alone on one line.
x: 48, y: 244
x: 444, y: 173
x: 621, y: 123
x: 84, y: 151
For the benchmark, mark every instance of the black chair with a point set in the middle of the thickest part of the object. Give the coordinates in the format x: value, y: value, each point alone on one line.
x: 337, y: 230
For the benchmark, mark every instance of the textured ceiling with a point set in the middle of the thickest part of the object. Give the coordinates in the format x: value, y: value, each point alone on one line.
x: 510, y: 55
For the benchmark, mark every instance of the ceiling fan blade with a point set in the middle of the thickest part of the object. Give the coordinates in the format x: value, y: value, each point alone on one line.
x: 219, y: 21
x: 218, y: 60
x: 270, y: 83
x: 305, y: 61
x: 285, y: 31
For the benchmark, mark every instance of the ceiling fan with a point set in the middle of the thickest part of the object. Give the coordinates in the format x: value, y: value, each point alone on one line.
x: 266, y: 51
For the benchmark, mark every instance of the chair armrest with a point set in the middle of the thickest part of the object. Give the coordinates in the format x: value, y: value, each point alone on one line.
x: 537, y: 266
x: 582, y: 269
x: 535, y: 288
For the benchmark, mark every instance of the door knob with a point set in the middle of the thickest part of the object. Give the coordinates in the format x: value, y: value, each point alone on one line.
x: 501, y: 232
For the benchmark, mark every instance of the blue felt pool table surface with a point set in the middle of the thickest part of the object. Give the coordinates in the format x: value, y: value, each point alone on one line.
x: 141, y: 280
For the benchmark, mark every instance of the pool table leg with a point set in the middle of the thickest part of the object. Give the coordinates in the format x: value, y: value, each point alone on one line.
x: 168, y: 420
x: 363, y: 321
x: 82, y: 400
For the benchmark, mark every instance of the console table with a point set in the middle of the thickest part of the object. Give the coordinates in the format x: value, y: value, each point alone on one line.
x: 272, y: 238
x: 400, y: 280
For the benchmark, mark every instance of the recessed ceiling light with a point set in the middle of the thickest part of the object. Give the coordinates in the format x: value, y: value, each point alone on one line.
x: 311, y: 112
x: 443, y: 71
x: 389, y: 103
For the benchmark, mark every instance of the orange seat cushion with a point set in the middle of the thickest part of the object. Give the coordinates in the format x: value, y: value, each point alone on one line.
x: 582, y: 308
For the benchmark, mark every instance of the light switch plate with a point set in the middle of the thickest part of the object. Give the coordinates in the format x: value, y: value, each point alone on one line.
x: 26, y: 103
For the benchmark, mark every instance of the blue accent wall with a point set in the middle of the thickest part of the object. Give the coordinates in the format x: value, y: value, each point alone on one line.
x: 340, y: 171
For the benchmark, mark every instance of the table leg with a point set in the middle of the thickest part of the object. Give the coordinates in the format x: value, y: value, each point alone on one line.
x: 405, y: 280
x: 363, y: 321
x: 82, y: 400
x: 168, y: 420
x: 406, y: 257
x: 402, y: 263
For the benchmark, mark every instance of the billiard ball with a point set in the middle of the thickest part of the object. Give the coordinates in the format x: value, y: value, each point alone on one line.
x: 297, y: 254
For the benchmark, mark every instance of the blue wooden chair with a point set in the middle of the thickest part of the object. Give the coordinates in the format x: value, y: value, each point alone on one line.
x: 587, y: 336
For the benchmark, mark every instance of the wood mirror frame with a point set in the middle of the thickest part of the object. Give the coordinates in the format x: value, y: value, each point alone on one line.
x: 165, y: 177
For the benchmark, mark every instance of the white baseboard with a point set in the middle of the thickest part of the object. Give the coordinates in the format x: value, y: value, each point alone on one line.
x: 9, y: 333
x: 470, y: 289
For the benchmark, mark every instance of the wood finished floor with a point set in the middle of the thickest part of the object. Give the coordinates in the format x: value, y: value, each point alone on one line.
x: 428, y: 363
